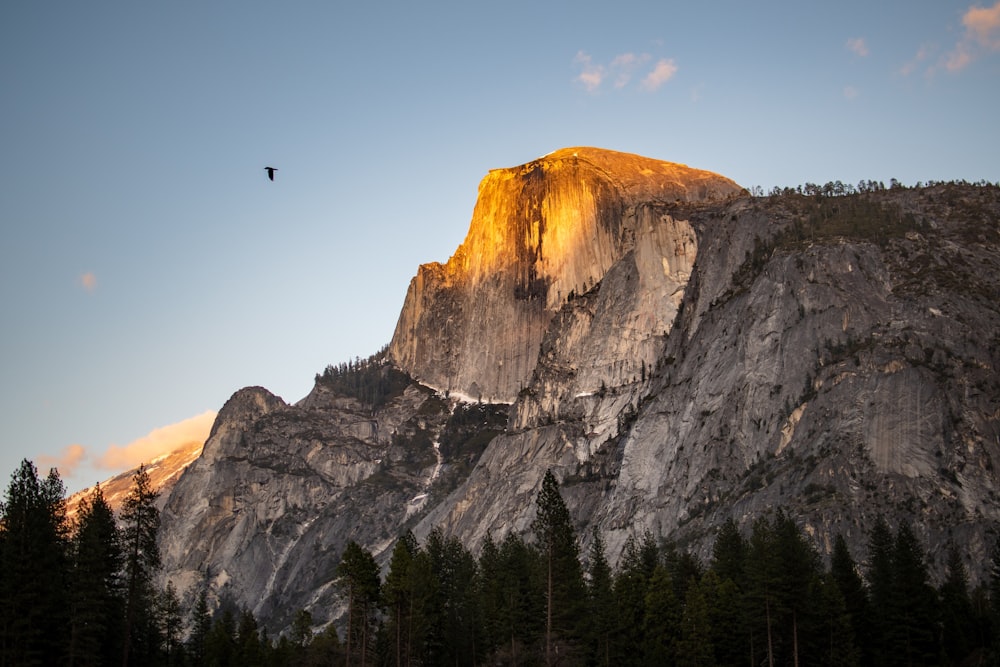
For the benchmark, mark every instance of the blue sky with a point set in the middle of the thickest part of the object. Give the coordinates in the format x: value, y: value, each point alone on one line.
x: 148, y: 268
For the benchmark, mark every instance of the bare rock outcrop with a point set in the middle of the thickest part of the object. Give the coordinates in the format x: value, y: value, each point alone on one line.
x: 541, y: 234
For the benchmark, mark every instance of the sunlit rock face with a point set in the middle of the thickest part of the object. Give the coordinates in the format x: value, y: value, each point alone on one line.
x: 542, y: 234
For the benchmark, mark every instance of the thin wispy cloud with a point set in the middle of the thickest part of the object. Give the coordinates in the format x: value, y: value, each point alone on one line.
x: 157, y: 442
x: 850, y: 92
x: 622, y: 70
x: 857, y: 46
x: 662, y: 72
x: 591, y: 75
x: 981, y: 37
x: 66, y: 461
x: 88, y: 281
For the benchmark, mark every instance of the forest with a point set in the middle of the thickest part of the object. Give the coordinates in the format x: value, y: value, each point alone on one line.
x: 86, y: 591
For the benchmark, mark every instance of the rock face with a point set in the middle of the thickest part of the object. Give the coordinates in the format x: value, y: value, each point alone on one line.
x: 542, y: 233
x: 677, y: 352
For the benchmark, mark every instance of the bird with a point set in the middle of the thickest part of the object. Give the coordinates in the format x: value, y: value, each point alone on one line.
x: 270, y: 172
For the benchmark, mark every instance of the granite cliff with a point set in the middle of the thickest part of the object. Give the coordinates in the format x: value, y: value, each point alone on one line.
x: 676, y: 351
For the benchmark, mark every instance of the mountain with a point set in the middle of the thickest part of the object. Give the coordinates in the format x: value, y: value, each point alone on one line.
x: 676, y: 351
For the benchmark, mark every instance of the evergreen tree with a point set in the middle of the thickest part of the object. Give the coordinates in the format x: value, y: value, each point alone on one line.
x: 727, y: 604
x: 220, y: 643
x: 913, y: 626
x: 140, y: 521
x: 454, y: 568
x: 490, y: 596
x: 556, y: 539
x: 880, y: 590
x: 635, y: 569
x: 601, y: 601
x: 397, y: 596
x: 168, y: 615
x: 250, y: 652
x: 661, y: 619
x: 201, y: 625
x: 96, y: 596
x: 522, y: 610
x: 957, y: 618
x: 359, y: 574
x: 694, y: 645
x: 33, y: 570
x: 845, y: 575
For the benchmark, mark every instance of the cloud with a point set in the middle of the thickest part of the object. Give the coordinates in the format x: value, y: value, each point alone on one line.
x: 66, y: 462
x: 88, y: 281
x: 857, y: 46
x: 982, y: 34
x: 621, y: 70
x: 159, y: 441
x: 850, y: 92
x: 662, y: 72
x: 909, y: 67
x: 592, y: 75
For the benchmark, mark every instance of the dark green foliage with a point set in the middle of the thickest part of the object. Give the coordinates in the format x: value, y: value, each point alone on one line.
x: 359, y: 576
x: 96, y: 597
x: 601, y: 608
x: 564, y: 587
x: 762, y: 600
x: 846, y: 577
x: 33, y: 567
x: 958, y: 622
x: 140, y: 520
x: 372, y: 381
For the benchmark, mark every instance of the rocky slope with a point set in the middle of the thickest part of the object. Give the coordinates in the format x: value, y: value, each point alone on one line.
x: 675, y: 351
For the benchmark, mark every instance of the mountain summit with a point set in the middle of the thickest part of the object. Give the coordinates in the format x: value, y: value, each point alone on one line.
x: 540, y: 234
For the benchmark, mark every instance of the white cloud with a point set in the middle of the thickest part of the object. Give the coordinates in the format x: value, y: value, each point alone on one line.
x: 850, y: 92
x: 982, y: 34
x: 158, y: 441
x: 662, y: 72
x: 592, y: 75
x: 621, y: 70
x: 857, y: 46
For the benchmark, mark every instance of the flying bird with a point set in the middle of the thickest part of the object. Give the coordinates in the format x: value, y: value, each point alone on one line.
x: 270, y: 172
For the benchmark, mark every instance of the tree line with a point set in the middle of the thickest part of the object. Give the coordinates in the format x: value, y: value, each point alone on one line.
x: 84, y: 593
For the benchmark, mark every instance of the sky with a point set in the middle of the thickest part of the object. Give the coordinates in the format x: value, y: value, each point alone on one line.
x: 149, y: 269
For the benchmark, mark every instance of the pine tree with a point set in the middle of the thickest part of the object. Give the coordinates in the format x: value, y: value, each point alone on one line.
x: 631, y: 581
x: 845, y: 575
x: 556, y: 539
x: 727, y: 604
x: 201, y: 625
x: 601, y: 600
x: 96, y: 596
x: 33, y: 570
x: 914, y: 623
x: 956, y: 607
x: 694, y: 646
x: 879, y: 575
x: 397, y: 596
x: 140, y: 521
x: 522, y: 609
x: 359, y: 574
x: 455, y: 570
x: 661, y: 619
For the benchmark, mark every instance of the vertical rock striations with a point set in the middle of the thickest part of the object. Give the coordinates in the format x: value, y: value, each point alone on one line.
x: 541, y: 234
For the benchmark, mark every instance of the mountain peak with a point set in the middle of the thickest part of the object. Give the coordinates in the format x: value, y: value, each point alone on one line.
x: 541, y: 233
